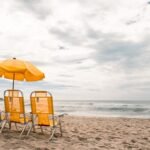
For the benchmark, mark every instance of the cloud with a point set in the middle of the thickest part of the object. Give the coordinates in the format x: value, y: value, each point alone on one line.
x: 66, y: 75
x: 112, y: 49
x: 93, y: 34
x: 136, y: 85
x: 140, y: 14
x: 40, y: 63
x: 5, y: 56
x: 48, y: 85
x: 94, y: 89
x: 68, y: 35
x: 83, y: 45
x: 130, y: 22
x: 40, y: 8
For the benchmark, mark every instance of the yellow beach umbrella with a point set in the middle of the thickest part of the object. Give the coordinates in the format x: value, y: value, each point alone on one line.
x: 20, y: 70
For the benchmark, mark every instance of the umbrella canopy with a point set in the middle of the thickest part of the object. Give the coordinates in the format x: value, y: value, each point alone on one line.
x: 16, y: 69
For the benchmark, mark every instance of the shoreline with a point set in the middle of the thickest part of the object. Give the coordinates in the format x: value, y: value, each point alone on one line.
x: 105, y: 116
x: 86, y: 133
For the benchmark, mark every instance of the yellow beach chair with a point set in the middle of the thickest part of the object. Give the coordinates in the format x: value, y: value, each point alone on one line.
x: 43, y: 112
x: 15, y: 110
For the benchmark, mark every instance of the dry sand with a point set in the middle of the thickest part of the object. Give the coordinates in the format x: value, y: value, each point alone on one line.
x: 85, y: 133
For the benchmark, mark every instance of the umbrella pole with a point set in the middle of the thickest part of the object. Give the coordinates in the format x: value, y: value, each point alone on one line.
x: 12, y: 96
x: 13, y: 81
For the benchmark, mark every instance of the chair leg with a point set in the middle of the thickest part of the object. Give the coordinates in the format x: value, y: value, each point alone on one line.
x: 42, y: 130
x: 9, y: 125
x: 30, y: 128
x: 3, y: 125
x: 16, y: 126
x: 60, y: 127
x: 52, y: 133
x: 33, y: 127
x: 23, y: 130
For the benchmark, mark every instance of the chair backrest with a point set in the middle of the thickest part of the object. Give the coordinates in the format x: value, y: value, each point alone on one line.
x: 14, y: 105
x: 42, y: 106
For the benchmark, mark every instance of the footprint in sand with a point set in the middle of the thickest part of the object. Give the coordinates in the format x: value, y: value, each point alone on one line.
x: 133, y: 141
x: 82, y: 138
x: 39, y: 148
x: 98, y: 138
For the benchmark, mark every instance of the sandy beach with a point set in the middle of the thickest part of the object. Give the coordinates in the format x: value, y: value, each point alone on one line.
x: 86, y: 133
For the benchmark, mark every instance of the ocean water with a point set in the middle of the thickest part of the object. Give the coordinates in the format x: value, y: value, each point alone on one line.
x: 130, y: 109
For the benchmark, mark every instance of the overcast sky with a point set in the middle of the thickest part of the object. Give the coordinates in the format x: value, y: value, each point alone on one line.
x: 87, y: 49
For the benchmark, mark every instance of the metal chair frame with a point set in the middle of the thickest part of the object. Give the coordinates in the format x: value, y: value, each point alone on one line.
x: 7, y: 119
x: 52, y: 117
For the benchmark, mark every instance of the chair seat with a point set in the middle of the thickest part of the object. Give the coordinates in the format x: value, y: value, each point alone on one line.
x: 44, y: 120
x: 15, y: 118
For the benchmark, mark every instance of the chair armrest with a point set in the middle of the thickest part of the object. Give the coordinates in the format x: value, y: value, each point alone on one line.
x: 60, y: 115
x: 56, y: 117
x: 29, y: 115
